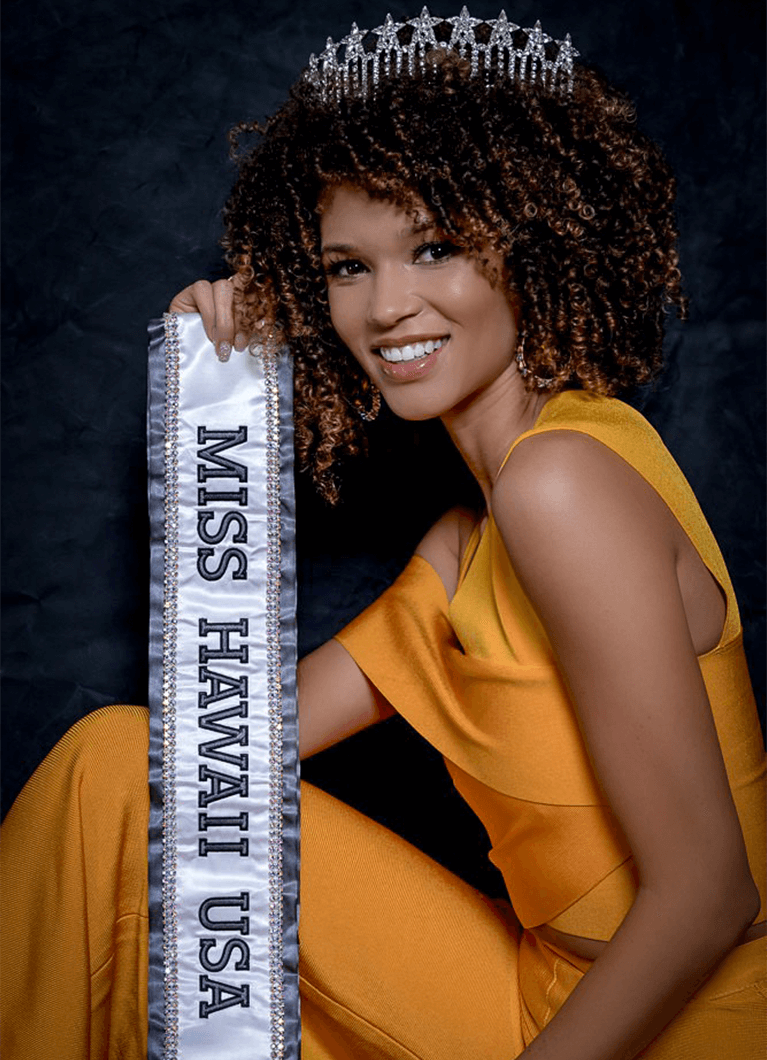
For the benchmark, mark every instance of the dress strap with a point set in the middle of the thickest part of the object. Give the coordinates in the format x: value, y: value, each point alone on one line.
x: 526, y: 434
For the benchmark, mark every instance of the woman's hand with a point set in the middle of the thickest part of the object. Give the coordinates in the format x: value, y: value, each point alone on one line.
x: 215, y: 304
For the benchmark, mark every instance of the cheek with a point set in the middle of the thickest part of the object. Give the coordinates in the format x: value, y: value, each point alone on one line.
x: 472, y: 296
x: 345, y: 323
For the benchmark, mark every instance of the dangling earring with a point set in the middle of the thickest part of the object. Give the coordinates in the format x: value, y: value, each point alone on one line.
x: 524, y: 368
x: 369, y: 414
x: 524, y: 371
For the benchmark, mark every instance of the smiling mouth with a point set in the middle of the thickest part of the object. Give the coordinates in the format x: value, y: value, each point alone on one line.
x: 412, y: 351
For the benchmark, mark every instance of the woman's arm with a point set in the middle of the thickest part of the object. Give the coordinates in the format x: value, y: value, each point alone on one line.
x: 596, y: 550
x: 335, y: 698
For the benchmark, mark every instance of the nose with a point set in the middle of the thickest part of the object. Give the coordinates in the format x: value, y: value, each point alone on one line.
x: 393, y: 296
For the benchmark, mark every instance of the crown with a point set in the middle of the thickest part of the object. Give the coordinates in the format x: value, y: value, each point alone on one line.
x: 492, y: 47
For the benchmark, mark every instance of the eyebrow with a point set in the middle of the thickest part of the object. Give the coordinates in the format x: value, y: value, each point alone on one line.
x: 338, y: 248
x: 349, y: 248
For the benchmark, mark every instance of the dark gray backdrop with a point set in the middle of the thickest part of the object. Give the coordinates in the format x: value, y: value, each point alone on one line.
x: 115, y: 172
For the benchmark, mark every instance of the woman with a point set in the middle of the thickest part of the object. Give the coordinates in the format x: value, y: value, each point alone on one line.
x: 497, y: 249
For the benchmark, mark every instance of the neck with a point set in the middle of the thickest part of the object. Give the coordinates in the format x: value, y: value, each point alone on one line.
x: 487, y: 424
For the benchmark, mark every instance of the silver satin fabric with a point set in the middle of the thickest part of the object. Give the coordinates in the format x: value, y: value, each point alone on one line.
x: 223, y: 938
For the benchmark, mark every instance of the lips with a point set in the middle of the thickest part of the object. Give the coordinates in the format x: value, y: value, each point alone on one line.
x: 411, y: 360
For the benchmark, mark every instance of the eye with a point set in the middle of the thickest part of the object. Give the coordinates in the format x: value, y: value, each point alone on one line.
x: 345, y: 268
x: 436, y: 251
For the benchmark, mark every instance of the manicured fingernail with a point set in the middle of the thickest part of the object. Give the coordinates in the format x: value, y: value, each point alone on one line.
x: 224, y: 350
x: 240, y: 341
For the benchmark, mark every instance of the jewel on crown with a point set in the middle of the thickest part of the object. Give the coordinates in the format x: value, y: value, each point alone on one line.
x: 529, y: 56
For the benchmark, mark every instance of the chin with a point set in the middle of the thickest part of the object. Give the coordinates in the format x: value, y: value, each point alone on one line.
x: 415, y: 411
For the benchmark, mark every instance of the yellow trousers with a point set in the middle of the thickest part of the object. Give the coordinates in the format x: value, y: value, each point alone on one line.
x: 399, y: 958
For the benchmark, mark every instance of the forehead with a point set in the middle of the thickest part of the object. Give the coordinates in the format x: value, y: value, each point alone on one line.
x: 348, y: 213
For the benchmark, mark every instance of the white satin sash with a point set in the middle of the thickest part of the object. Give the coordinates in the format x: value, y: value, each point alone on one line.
x: 223, y: 754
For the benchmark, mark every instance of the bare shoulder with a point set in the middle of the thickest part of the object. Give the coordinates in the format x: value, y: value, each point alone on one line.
x: 569, y: 478
x: 576, y: 518
x: 444, y: 543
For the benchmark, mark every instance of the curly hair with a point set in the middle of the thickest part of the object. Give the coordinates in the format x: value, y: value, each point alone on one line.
x: 576, y: 200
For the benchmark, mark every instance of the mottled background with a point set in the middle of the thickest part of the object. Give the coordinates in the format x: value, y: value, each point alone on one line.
x: 115, y: 173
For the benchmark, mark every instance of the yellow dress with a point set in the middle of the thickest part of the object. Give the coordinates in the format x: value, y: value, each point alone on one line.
x: 399, y: 958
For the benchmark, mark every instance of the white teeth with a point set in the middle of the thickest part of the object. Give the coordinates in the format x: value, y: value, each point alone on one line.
x: 411, y: 352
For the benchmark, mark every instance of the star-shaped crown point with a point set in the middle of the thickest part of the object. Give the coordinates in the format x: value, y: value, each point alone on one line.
x: 462, y: 36
x: 495, y: 54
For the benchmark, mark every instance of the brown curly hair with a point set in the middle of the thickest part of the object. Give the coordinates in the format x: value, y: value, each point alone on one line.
x: 577, y: 201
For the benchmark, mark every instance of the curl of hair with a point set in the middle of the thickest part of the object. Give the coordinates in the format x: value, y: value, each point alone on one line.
x: 575, y: 198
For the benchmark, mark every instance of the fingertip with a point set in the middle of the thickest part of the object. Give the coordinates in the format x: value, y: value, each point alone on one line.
x: 223, y: 350
x: 240, y: 341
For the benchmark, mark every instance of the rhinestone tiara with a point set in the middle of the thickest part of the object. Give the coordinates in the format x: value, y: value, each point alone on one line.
x: 493, y: 47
